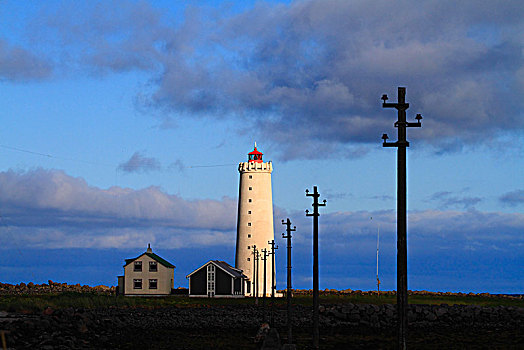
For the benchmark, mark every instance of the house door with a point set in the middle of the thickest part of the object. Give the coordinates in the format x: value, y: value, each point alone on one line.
x: 210, y: 280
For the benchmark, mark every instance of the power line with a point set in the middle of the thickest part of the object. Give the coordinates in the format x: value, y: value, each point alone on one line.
x: 97, y: 163
x: 210, y: 166
x: 54, y: 157
x: 26, y: 151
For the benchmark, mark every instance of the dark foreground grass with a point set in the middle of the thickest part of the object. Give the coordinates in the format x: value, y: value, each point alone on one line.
x: 38, y: 303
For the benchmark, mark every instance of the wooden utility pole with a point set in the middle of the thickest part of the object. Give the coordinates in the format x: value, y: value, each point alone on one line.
x: 273, y: 286
x: 288, y: 293
x: 264, y: 258
x: 315, y: 216
x: 255, y: 273
x: 402, y: 259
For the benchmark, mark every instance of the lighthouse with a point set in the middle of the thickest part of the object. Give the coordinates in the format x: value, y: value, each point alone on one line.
x: 255, y: 221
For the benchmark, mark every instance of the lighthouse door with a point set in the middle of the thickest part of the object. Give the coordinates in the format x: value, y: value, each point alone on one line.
x: 210, y: 280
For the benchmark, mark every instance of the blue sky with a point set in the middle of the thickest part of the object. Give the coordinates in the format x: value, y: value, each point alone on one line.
x: 124, y: 122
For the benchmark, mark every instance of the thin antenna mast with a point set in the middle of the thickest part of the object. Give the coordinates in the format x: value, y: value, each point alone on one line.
x: 378, y: 240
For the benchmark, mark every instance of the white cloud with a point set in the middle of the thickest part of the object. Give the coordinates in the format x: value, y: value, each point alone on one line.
x: 48, y: 208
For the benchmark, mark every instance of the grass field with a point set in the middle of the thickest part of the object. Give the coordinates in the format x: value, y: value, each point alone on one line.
x: 37, y: 303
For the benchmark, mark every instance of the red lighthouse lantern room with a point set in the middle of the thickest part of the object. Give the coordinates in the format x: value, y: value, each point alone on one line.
x: 255, y: 156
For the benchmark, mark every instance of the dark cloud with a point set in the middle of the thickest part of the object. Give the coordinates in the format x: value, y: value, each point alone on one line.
x: 513, y: 198
x: 18, y: 64
x: 177, y: 165
x: 383, y: 198
x: 337, y: 195
x: 138, y: 163
x: 315, y: 70
x: 448, y: 199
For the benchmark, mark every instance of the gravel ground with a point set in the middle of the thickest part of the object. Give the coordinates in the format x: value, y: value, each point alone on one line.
x: 345, y: 326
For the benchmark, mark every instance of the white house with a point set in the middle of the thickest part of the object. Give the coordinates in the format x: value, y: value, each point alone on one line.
x: 147, y: 274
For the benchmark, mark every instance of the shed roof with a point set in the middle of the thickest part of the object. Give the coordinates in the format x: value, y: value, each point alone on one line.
x: 230, y: 270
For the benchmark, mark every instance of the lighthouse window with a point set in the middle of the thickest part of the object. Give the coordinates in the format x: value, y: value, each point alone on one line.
x: 248, y: 247
x: 249, y: 211
x: 250, y: 176
x: 248, y: 236
x: 250, y: 200
x: 248, y: 224
x: 248, y: 259
x: 251, y: 188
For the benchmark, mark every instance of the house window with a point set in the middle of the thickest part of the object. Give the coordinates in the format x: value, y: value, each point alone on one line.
x: 249, y: 211
x: 153, y: 283
x: 250, y: 200
x: 137, y: 283
x: 251, y: 188
x: 138, y: 267
x: 250, y: 176
x: 248, y: 236
x: 211, y: 280
x: 153, y: 267
x: 248, y: 224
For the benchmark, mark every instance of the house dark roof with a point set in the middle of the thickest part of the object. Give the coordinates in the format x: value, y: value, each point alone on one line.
x: 152, y: 256
x: 233, y: 271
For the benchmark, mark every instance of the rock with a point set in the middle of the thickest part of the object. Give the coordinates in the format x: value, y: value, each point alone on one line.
x: 289, y: 347
x: 262, y: 333
x: 272, y: 340
x: 441, y: 311
x: 431, y: 316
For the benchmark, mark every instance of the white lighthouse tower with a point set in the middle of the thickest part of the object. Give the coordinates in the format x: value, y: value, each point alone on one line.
x: 255, y: 220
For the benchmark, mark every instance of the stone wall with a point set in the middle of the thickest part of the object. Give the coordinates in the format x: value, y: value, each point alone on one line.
x: 391, y: 293
x: 51, y: 287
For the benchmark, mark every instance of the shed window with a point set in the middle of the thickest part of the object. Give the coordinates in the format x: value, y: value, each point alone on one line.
x: 137, y: 266
x: 153, y: 267
x: 137, y: 283
x: 153, y: 284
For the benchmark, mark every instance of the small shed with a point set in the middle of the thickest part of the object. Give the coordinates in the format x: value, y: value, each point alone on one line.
x: 216, y: 279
